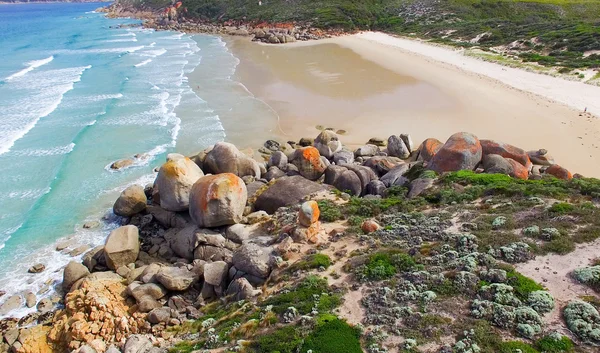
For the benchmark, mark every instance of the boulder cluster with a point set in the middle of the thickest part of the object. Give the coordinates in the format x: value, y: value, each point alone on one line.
x: 215, y: 225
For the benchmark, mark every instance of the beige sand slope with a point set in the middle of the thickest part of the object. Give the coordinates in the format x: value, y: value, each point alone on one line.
x: 372, y: 84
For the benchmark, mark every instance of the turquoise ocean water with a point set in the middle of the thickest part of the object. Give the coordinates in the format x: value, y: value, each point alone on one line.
x: 76, y: 95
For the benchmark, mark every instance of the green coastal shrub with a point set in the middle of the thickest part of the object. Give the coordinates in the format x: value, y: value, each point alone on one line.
x: 384, y: 265
x: 516, y: 346
x: 283, y: 340
x: 330, y: 212
x: 333, y: 335
x: 555, y: 343
x: 312, y: 261
x: 561, y: 208
x: 589, y: 276
x: 541, y: 301
x: 529, y: 322
x: 583, y: 320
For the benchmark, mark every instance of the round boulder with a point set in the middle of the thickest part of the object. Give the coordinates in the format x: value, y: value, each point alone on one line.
x: 122, y: 247
x: 309, y: 213
x: 226, y: 158
x: 519, y: 171
x: 174, y: 182
x: 429, y: 148
x: 506, y: 151
x: 309, y: 163
x: 559, y: 172
x: 462, y: 151
x: 397, y: 148
x: 328, y: 143
x: 253, y: 259
x: 131, y: 201
x: 540, y: 157
x: 496, y: 164
x: 218, y: 200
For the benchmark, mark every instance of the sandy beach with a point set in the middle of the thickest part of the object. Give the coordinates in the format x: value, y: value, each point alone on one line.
x: 372, y: 84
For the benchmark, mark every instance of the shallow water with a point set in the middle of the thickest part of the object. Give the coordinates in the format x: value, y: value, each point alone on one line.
x: 75, y: 96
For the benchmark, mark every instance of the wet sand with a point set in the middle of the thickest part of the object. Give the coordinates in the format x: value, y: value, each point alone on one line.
x: 371, y: 89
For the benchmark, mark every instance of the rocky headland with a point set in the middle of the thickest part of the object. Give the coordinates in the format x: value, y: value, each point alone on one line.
x: 175, y: 18
x: 389, y: 247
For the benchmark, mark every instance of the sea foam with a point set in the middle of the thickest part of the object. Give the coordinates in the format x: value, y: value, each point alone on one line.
x: 32, y: 65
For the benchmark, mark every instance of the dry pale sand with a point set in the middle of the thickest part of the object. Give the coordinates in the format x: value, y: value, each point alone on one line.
x: 370, y: 85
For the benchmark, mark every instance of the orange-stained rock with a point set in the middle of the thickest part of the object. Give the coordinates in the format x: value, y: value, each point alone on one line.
x: 34, y: 340
x: 462, y: 151
x: 506, y: 151
x: 218, y: 200
x: 518, y: 170
x: 369, y: 226
x: 559, y: 172
x: 429, y: 148
x: 309, y: 163
x: 174, y: 182
x: 98, y: 309
x: 309, y: 213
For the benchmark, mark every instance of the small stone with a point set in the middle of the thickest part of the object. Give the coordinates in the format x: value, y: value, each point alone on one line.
x: 30, y: 300
x: 79, y: 250
x: 45, y: 305
x: 37, y: 268
x: 91, y: 224
x: 309, y: 213
x: 159, y: 315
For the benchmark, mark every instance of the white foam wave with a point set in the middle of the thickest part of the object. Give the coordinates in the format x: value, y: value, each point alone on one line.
x: 8, y: 233
x: 133, y: 39
x: 153, y: 53
x: 46, y: 152
x: 102, y: 51
x: 145, y: 62
x: 32, y: 65
x: 45, y: 91
x: 26, y: 194
x: 128, y: 34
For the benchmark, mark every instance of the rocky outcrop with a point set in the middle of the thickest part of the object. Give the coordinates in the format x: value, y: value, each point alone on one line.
x: 174, y: 182
x: 131, y: 201
x: 98, y: 309
x: 462, y: 151
x: 122, y: 247
x: 226, y: 158
x: 218, y: 200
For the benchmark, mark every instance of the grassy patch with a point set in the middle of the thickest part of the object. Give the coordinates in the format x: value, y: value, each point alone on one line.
x: 522, y: 285
x: 283, y: 340
x: 312, y: 262
x: 550, y: 344
x: 333, y: 335
x: 302, y: 297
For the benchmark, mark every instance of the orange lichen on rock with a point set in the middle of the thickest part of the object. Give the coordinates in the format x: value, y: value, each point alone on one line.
x: 559, y: 172
x: 518, y: 170
x: 312, y: 155
x: 429, y: 148
x: 506, y: 151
